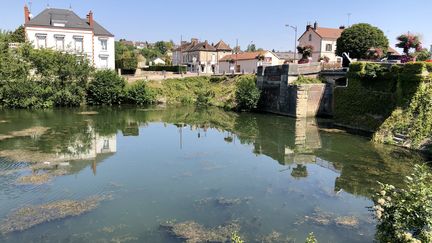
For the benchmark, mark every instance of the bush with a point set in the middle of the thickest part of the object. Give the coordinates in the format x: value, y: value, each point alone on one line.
x: 247, y: 94
x: 139, y: 93
x: 204, y: 96
x: 405, y: 214
x: 106, y: 88
x: 25, y: 94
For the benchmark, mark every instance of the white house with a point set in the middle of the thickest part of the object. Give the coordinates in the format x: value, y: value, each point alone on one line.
x: 63, y: 30
x: 157, y: 61
x: 323, y: 41
x: 247, y: 62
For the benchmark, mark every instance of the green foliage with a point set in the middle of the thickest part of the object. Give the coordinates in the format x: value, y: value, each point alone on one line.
x: 251, y: 48
x: 247, y: 94
x: 423, y: 55
x: 59, y: 79
x: 311, y: 238
x: 405, y: 214
x: 125, y: 57
x: 18, y: 36
x: 307, y: 80
x: 106, y: 88
x: 358, y: 39
x: 204, y: 95
x: 139, y: 93
x: 176, y: 69
x: 163, y: 46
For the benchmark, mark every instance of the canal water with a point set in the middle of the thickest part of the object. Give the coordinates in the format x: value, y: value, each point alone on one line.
x: 276, y: 178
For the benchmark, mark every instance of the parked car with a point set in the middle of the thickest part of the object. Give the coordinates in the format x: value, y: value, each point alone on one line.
x: 392, y: 59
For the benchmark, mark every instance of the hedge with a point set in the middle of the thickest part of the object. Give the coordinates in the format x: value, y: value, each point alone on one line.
x: 176, y: 69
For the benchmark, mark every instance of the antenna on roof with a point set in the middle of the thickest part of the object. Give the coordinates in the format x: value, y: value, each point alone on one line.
x: 30, y: 3
x: 70, y: 6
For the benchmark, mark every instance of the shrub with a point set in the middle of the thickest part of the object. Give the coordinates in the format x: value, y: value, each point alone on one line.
x: 247, y: 93
x: 106, y: 88
x: 311, y: 238
x: 139, y: 93
x: 405, y: 214
x: 204, y: 96
x: 25, y: 94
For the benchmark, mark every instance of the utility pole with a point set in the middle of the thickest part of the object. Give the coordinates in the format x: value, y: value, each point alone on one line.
x: 237, y: 50
x: 295, y: 40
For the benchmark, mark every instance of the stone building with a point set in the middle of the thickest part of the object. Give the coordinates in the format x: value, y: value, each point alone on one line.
x: 201, y: 57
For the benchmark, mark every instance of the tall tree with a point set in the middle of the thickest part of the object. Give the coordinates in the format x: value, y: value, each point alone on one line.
x: 408, y: 42
x: 358, y: 39
x: 251, y: 48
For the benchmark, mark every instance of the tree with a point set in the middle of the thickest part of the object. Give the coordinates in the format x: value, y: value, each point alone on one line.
x: 251, y: 48
x: 163, y: 47
x: 306, y: 51
x: 125, y: 57
x: 358, y: 39
x: 18, y: 35
x: 422, y: 55
x: 408, y: 42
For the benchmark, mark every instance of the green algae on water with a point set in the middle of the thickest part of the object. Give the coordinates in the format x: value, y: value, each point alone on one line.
x: 28, y: 217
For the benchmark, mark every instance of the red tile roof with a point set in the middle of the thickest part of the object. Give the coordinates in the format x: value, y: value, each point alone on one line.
x: 330, y: 33
x: 243, y: 56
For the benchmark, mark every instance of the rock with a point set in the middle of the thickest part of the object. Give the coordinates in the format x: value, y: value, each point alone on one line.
x: 347, y: 221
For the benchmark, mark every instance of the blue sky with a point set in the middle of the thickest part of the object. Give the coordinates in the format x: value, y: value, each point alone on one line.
x: 261, y: 22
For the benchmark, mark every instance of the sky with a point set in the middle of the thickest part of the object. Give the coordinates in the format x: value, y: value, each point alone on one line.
x: 248, y: 21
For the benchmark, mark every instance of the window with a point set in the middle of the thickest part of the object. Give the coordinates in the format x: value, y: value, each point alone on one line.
x: 103, y: 61
x: 59, y: 42
x: 41, y: 40
x: 310, y: 37
x: 104, y: 44
x: 329, y: 47
x: 78, y: 43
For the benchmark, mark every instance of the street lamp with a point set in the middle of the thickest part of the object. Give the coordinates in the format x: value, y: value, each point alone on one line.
x: 295, y: 40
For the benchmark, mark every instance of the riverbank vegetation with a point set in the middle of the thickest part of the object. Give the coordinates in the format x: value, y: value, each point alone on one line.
x: 405, y: 214
x: 392, y: 101
x: 35, y: 79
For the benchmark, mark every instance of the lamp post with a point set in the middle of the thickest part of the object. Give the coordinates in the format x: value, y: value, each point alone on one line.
x: 295, y: 40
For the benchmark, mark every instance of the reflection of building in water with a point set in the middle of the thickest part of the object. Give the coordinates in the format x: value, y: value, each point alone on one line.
x: 86, y: 150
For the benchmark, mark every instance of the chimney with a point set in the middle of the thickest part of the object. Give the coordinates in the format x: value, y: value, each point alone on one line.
x: 90, y: 19
x: 342, y: 27
x: 194, y: 40
x: 315, y: 25
x: 308, y: 27
x: 26, y: 14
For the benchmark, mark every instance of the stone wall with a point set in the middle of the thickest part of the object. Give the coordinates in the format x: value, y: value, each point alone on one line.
x: 279, y: 95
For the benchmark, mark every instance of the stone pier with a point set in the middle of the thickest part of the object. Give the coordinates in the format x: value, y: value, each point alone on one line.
x: 280, y: 95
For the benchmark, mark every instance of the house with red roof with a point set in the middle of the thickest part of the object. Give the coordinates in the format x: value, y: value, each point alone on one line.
x: 323, y: 41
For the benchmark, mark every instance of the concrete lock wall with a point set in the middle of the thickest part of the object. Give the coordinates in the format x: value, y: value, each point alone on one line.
x: 280, y: 95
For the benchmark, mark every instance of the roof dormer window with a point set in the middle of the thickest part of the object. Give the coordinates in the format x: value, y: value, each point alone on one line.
x: 59, y: 23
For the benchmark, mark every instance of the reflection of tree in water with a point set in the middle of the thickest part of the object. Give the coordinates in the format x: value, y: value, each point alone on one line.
x: 300, y: 171
x: 286, y: 140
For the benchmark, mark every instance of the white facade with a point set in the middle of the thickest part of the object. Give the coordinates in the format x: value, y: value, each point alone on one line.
x: 323, y: 41
x: 79, y: 42
x: 247, y: 62
x: 63, y: 30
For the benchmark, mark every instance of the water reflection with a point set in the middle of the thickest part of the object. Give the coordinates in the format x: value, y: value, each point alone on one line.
x: 162, y: 161
x: 57, y: 136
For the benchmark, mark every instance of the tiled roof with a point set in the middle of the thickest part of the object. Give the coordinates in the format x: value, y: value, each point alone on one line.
x: 203, y: 46
x: 222, y: 46
x: 49, y: 16
x: 330, y: 33
x: 393, y: 51
x: 243, y: 56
